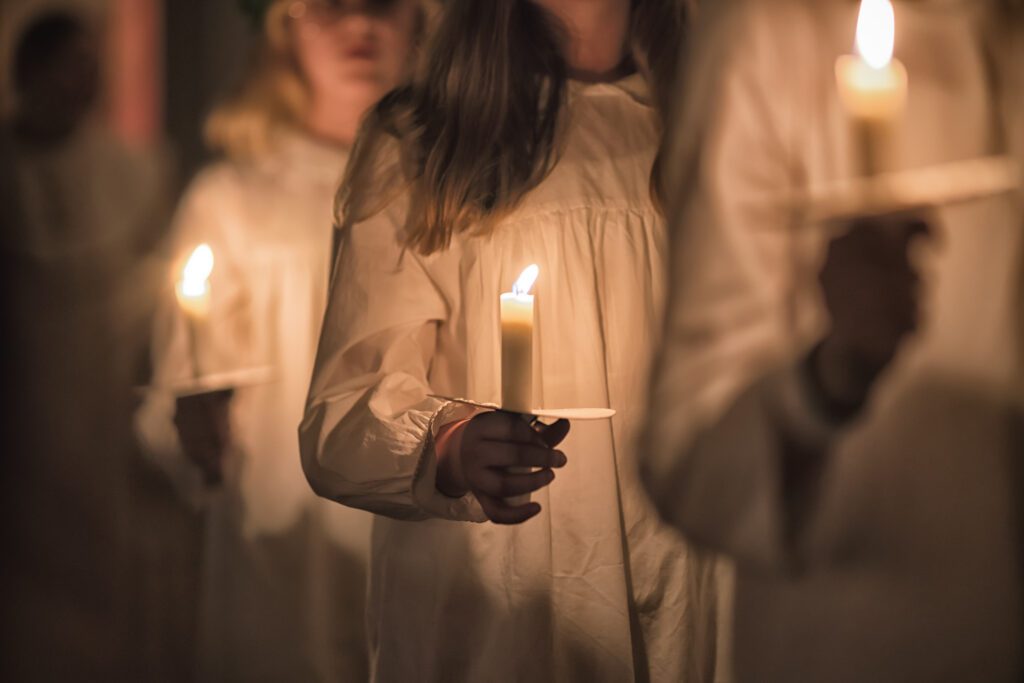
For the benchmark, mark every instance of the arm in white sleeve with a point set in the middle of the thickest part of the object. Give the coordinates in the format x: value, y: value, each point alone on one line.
x: 729, y: 414
x: 367, y: 435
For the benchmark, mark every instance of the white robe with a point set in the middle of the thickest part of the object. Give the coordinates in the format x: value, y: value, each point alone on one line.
x: 594, y: 588
x: 907, y: 557
x: 89, y: 203
x: 284, y: 571
x: 77, y: 219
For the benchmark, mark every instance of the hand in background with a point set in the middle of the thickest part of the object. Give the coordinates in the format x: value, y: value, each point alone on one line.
x: 872, y: 291
x: 204, y: 429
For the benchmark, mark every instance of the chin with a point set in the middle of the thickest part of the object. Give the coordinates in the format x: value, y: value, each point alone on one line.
x: 369, y: 83
x: 362, y: 70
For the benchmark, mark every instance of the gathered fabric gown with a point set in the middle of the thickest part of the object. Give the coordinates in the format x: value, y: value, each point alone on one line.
x: 594, y: 588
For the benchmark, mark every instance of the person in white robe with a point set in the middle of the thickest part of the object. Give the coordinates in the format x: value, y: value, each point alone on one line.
x: 591, y: 587
x: 283, y: 587
x: 877, y: 536
x: 80, y: 211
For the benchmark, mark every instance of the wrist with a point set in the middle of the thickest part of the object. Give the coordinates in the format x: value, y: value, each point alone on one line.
x: 451, y: 480
x: 839, y: 380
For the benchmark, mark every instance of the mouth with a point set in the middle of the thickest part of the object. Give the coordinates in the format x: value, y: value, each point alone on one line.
x: 364, y: 51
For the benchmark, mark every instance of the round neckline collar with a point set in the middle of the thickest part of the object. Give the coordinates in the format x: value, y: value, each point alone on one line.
x: 634, y: 85
x: 299, y: 150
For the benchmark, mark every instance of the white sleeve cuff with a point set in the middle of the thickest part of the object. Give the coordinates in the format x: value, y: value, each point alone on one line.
x: 424, y: 481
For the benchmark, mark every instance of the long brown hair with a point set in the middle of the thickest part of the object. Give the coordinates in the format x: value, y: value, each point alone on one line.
x: 478, y: 126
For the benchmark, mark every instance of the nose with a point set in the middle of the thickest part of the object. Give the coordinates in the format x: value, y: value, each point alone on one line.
x: 351, y: 20
x: 358, y: 23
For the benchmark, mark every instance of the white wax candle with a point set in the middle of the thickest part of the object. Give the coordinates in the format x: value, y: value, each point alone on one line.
x: 873, y: 86
x: 517, y: 344
x: 193, y: 293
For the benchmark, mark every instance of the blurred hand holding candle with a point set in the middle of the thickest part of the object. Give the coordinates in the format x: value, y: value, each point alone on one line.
x: 517, y: 343
x: 873, y: 86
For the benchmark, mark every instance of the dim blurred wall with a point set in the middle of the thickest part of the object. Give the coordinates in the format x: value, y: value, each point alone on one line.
x: 207, y: 49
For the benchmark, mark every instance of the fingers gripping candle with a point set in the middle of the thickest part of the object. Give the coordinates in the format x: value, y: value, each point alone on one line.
x: 517, y: 344
x: 873, y: 86
x: 193, y: 293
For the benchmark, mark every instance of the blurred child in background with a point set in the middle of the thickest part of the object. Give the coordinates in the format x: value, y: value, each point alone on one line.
x: 284, y: 571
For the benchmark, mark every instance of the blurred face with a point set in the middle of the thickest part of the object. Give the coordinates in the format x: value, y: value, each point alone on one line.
x: 352, y: 48
x: 62, y: 91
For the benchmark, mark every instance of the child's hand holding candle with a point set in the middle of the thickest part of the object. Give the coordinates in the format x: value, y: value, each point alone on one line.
x: 497, y: 457
x: 203, y: 422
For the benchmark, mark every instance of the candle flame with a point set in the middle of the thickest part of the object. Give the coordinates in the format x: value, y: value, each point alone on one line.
x: 197, y: 271
x: 526, y: 279
x: 876, y: 32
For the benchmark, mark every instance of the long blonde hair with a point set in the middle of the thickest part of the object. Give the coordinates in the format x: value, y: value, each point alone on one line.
x: 273, y: 96
x: 478, y: 126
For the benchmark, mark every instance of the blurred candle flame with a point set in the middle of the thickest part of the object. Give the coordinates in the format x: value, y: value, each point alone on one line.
x: 193, y: 288
x: 196, y: 274
x: 876, y: 32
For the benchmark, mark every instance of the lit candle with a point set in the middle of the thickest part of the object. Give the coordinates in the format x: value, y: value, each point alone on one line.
x: 193, y: 289
x: 873, y: 85
x: 193, y: 292
x: 517, y: 344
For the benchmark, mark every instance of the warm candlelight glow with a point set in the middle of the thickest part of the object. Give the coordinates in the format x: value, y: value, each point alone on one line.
x: 526, y: 279
x: 876, y: 32
x: 193, y: 288
x: 873, y: 87
x: 517, y: 343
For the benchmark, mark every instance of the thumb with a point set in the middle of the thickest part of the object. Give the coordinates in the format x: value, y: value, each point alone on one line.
x: 555, y: 433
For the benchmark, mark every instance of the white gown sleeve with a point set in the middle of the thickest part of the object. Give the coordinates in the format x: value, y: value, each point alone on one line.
x: 726, y: 388
x: 367, y: 435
